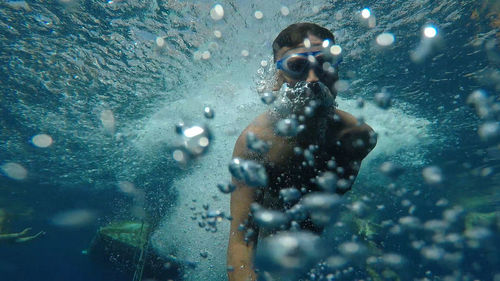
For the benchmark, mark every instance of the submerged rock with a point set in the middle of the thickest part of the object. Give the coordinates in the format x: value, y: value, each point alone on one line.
x: 119, y: 245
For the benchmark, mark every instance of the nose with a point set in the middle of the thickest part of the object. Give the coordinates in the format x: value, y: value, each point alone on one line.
x: 311, y: 76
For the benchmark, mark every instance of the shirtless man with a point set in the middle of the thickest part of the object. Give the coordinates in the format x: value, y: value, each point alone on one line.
x: 335, y: 140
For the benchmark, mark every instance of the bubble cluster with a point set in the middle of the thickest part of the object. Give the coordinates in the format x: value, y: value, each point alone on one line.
x: 193, y: 141
x: 290, y: 195
x: 207, y: 218
x: 255, y: 144
x: 320, y: 206
x: 289, y: 254
x: 248, y: 171
x: 287, y: 127
x: 270, y: 219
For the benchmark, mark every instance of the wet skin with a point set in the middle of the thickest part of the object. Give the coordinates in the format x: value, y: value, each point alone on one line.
x: 347, y: 141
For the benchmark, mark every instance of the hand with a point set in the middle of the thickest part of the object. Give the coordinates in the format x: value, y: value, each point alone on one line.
x: 24, y: 232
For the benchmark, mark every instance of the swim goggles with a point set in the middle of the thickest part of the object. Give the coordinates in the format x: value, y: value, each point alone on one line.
x: 297, y: 65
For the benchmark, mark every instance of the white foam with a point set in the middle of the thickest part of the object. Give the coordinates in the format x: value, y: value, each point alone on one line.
x: 179, y: 235
x: 399, y: 134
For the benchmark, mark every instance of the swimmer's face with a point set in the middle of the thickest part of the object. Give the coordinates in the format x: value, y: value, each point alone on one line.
x: 311, y: 76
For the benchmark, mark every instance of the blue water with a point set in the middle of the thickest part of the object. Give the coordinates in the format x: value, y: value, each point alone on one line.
x: 67, y: 66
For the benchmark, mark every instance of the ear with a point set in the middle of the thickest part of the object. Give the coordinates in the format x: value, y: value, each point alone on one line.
x: 279, y: 80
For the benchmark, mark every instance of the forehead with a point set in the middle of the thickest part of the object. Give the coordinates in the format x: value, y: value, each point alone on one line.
x: 315, y: 45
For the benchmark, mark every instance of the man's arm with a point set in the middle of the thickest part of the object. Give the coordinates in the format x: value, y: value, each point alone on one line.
x: 240, y: 252
x: 357, y: 140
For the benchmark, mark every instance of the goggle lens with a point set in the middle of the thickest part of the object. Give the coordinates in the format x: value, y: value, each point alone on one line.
x: 298, y: 65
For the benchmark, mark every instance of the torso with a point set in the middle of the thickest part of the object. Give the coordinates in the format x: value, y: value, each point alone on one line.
x: 285, y: 168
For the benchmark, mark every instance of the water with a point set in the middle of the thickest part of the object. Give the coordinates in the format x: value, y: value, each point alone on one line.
x: 92, y: 91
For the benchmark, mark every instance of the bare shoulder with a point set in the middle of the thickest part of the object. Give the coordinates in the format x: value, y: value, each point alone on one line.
x: 263, y: 128
x: 260, y: 127
x: 348, y: 120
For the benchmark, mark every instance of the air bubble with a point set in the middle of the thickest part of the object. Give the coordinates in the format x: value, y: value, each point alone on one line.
x: 383, y: 100
x: 320, y: 206
x: 287, y: 127
x: 108, y: 120
x: 160, y: 42
x: 385, y: 39
x: 430, y: 32
x: 335, y: 262
x: 206, y: 55
x: 335, y: 50
x: 432, y: 253
x: 327, y: 181
x: 226, y: 188
x: 14, y: 171
x: 392, y: 259
x: 290, y: 195
x: 74, y: 218
x: 217, y: 12
x: 270, y: 219
x: 432, y: 175
x: 127, y: 187
x: 366, y: 13
x: 258, y: 15
x: 268, y: 98
x: 251, y: 172
x: 217, y: 33
x: 285, y: 11
x: 194, y: 141
x: 410, y: 222
x: 351, y: 249
x: 208, y: 112
x: 41, y: 140
x: 341, y: 85
x: 489, y: 131
x: 255, y: 144
x: 391, y: 170
x: 289, y: 254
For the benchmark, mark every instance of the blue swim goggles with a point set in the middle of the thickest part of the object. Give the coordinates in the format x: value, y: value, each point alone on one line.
x: 298, y: 65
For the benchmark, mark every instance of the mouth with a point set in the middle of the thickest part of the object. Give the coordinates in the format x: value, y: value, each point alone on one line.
x: 306, y: 99
x: 311, y: 92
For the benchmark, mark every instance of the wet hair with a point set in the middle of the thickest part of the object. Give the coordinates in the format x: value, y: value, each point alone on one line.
x: 295, y: 34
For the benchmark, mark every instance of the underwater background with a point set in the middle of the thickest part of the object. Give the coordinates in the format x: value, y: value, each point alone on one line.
x: 91, y: 92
